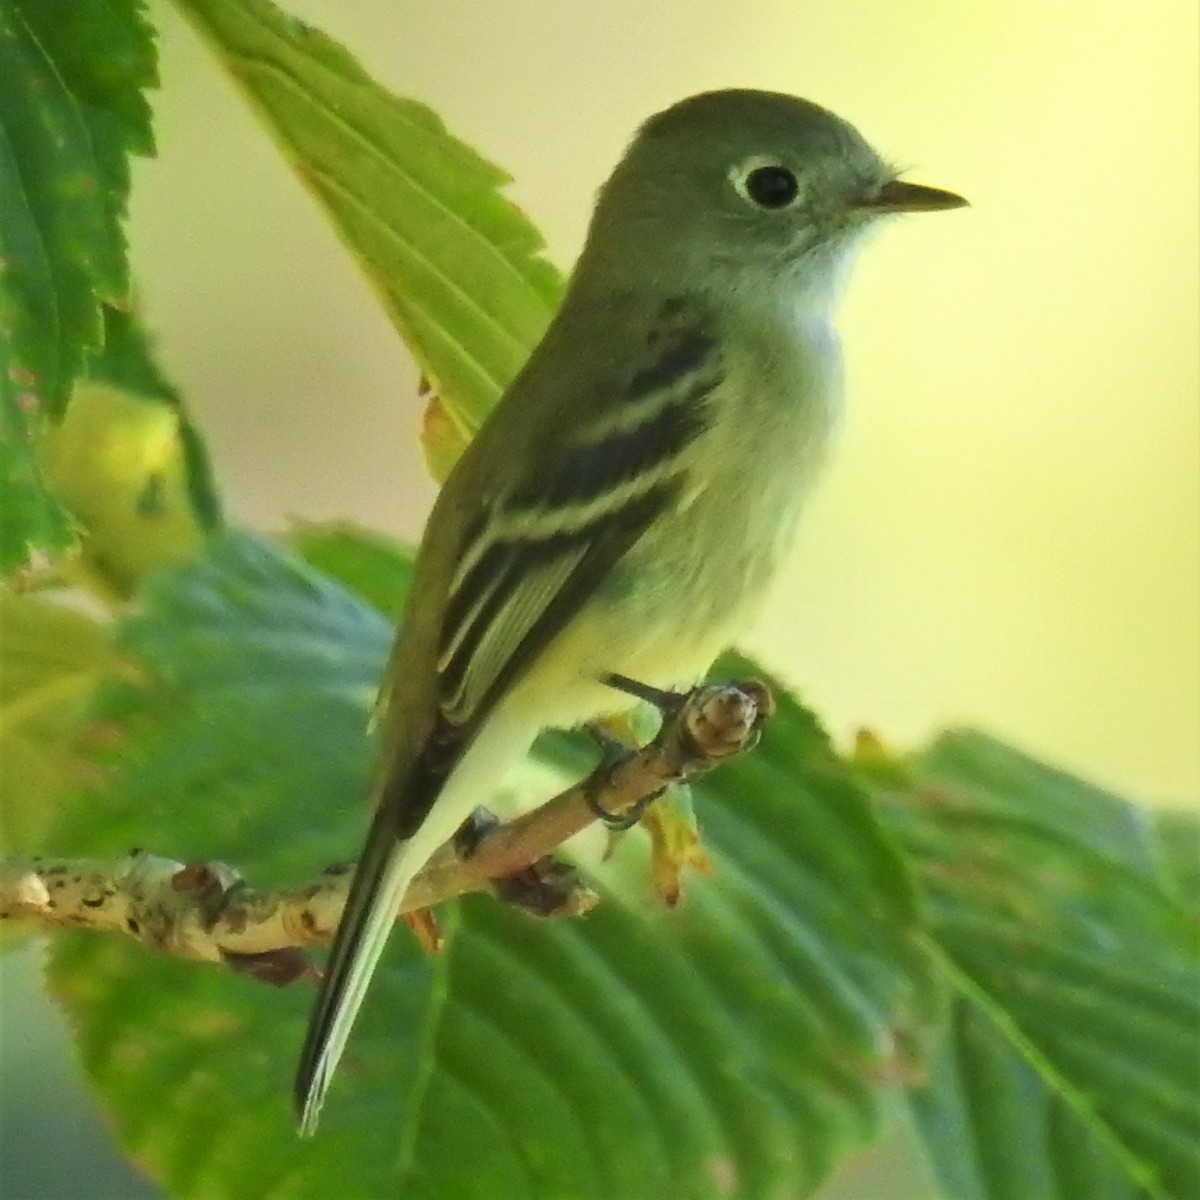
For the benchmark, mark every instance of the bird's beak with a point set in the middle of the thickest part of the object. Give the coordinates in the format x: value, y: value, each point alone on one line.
x: 899, y: 196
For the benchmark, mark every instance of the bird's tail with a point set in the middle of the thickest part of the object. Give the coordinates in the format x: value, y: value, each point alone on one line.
x: 444, y: 789
x: 385, y: 870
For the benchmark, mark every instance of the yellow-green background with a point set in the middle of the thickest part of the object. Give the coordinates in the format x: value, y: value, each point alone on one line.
x: 1010, y: 535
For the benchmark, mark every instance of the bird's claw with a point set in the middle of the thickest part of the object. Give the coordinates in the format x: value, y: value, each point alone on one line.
x: 619, y: 822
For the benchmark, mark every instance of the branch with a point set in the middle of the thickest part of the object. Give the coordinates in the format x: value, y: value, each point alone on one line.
x: 205, y: 911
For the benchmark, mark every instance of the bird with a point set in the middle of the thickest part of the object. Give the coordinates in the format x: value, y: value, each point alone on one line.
x: 624, y: 507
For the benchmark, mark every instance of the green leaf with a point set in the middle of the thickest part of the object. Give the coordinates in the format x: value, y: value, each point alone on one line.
x: 32, y: 521
x: 997, y: 1132
x: 1071, y: 1061
x: 1179, y: 839
x: 995, y: 779
x: 130, y: 464
x: 52, y: 661
x: 456, y: 264
x: 732, y: 1047
x: 375, y: 568
x: 71, y: 111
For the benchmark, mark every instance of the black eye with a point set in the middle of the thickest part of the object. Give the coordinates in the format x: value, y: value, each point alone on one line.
x: 771, y: 186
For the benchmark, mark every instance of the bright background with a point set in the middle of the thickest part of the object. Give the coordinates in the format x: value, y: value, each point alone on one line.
x: 1010, y: 535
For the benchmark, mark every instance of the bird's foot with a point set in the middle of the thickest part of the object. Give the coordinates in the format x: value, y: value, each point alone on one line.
x: 546, y: 888
x: 613, y: 749
x: 619, y: 822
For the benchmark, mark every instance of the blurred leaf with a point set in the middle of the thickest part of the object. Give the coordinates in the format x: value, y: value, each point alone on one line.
x: 130, y: 464
x: 104, y: 53
x: 996, y: 779
x: 32, y: 521
x: 995, y: 1130
x: 731, y: 1047
x: 127, y: 361
x: 71, y: 111
x: 375, y: 568
x: 1179, y: 839
x: 456, y: 264
x: 442, y: 439
x: 1071, y: 1066
x: 52, y: 660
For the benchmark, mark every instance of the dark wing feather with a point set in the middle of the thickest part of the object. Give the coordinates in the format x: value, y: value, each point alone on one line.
x: 532, y: 587
x: 496, y: 586
x: 530, y: 562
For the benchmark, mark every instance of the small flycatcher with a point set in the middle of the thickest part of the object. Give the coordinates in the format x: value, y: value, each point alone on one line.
x: 625, y: 505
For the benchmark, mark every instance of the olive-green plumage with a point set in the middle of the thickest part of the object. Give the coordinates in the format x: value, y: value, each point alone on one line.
x: 626, y: 504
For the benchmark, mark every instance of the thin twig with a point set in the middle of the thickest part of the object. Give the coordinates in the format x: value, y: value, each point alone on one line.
x: 205, y: 911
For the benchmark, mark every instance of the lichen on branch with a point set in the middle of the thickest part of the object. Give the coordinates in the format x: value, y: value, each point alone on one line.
x: 207, y: 912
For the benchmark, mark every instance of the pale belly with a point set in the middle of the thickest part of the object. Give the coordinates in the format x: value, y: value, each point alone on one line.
x: 698, y: 577
x: 674, y: 603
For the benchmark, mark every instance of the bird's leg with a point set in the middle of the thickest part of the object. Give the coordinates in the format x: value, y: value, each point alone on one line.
x: 613, y: 749
x: 545, y: 888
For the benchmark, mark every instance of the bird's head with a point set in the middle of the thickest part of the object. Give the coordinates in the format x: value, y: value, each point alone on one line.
x: 745, y: 181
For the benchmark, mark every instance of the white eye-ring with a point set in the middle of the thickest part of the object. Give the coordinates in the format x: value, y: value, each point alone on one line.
x: 765, y: 182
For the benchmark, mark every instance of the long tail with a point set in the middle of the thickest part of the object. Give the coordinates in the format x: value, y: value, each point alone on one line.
x: 444, y: 792
x: 385, y: 870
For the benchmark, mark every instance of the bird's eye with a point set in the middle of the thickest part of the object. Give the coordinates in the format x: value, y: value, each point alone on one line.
x: 766, y: 184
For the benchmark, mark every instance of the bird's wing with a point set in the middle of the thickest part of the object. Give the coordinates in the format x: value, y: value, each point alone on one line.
x: 529, y: 562
x: 500, y: 581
